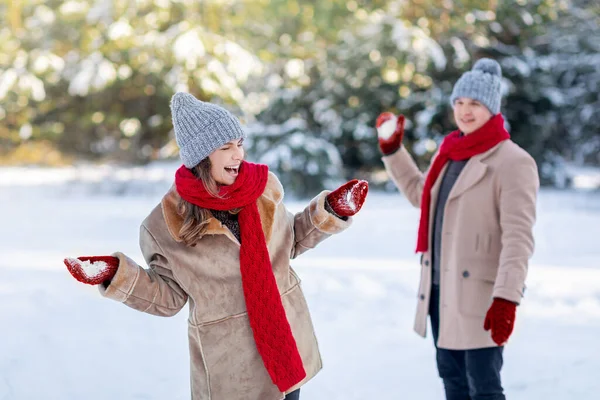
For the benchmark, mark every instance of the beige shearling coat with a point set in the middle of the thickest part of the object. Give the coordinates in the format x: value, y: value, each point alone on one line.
x: 225, y: 364
x: 487, y: 238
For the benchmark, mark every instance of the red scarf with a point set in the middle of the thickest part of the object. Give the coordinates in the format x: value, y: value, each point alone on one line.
x: 456, y: 147
x: 271, y: 329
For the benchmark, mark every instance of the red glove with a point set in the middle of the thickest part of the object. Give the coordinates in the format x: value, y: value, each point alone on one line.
x: 347, y: 200
x: 92, y: 270
x: 500, y: 318
x: 390, y: 131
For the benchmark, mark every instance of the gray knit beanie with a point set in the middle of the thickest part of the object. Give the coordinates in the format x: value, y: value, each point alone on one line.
x: 482, y: 83
x: 201, y: 128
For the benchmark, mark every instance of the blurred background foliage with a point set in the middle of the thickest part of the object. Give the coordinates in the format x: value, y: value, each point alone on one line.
x: 92, y: 80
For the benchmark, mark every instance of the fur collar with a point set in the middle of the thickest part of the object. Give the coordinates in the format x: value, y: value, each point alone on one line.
x: 267, y: 204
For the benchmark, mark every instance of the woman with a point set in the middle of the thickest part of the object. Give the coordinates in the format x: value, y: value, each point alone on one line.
x: 222, y: 239
x: 478, y: 207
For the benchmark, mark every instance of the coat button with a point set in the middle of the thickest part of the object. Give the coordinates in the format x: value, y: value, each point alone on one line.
x: 466, y: 274
x: 426, y: 263
x: 422, y: 297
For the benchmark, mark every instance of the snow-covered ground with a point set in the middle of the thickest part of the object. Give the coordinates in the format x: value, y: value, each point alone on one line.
x: 61, y: 340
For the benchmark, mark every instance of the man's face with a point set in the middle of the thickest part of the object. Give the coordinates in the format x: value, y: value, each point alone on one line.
x: 470, y: 114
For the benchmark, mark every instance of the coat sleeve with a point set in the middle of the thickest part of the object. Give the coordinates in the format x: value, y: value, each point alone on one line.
x: 315, y: 224
x: 153, y: 290
x: 406, y: 175
x: 518, y: 187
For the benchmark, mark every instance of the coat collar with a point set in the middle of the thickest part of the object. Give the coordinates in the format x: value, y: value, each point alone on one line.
x: 473, y: 172
x: 267, y: 204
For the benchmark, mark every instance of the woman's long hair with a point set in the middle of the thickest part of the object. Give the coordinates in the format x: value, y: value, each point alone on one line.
x: 195, y: 218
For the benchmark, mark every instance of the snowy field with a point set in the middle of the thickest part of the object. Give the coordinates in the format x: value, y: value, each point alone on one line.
x: 61, y: 340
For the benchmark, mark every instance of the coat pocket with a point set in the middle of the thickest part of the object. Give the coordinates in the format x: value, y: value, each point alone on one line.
x: 226, y: 352
x: 233, y: 366
x: 476, y: 289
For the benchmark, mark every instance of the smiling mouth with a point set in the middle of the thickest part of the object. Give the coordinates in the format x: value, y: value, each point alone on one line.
x: 233, y: 171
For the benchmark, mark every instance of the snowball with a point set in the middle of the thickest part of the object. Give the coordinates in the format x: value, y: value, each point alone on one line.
x: 92, y: 269
x: 350, y: 200
x: 387, y: 129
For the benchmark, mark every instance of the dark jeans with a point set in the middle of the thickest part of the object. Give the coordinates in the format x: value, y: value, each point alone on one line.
x: 467, y: 374
x: 295, y: 395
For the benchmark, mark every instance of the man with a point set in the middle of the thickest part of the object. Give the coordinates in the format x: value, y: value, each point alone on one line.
x: 478, y: 207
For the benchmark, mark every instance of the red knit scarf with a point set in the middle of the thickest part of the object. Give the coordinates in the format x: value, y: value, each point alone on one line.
x: 271, y: 329
x: 456, y: 147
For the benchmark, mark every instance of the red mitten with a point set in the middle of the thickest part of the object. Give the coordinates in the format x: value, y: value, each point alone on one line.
x: 500, y: 318
x: 390, y: 131
x: 348, y: 199
x: 92, y: 270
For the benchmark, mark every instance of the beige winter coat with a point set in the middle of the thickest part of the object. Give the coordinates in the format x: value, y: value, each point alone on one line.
x: 487, y: 239
x: 225, y: 364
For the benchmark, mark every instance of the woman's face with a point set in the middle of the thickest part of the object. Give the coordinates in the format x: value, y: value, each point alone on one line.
x: 225, y: 162
x: 470, y: 114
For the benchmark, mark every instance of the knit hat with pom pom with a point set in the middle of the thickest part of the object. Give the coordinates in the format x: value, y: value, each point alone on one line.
x: 482, y: 83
